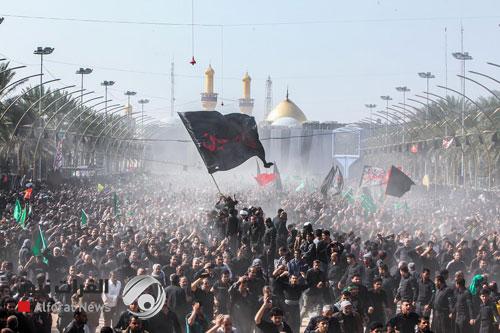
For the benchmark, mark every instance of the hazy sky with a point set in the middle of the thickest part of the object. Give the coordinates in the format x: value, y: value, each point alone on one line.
x: 335, y: 56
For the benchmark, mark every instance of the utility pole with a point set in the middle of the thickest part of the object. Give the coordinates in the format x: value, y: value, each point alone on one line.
x: 386, y: 99
x: 427, y: 76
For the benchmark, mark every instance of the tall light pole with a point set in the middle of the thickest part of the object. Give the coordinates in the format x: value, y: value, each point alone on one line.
x: 129, y: 93
x: 427, y: 76
x: 106, y: 84
x: 404, y: 90
x: 371, y: 107
x: 386, y: 99
x: 82, y: 72
x: 462, y: 56
x: 41, y: 51
x: 142, y: 102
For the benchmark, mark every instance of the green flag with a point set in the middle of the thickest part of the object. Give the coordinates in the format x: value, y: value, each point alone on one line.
x: 348, y: 195
x: 300, y: 187
x: 40, y: 244
x: 85, y: 219
x: 17, y: 211
x: 367, y: 203
x: 22, y: 219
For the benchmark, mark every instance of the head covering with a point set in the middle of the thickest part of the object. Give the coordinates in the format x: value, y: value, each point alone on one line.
x: 327, y: 308
x: 344, y: 304
x: 257, y: 262
x: 243, y: 213
x: 474, y: 285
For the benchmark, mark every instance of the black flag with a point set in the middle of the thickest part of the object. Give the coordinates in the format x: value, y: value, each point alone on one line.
x: 398, y: 183
x: 224, y: 141
x: 339, y: 182
x: 328, y: 181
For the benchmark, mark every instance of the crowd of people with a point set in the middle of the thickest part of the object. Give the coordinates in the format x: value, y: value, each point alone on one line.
x: 256, y: 260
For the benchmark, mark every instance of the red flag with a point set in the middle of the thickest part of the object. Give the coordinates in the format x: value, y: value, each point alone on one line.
x: 265, y: 178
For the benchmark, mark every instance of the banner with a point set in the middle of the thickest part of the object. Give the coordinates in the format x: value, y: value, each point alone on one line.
x: 372, y: 176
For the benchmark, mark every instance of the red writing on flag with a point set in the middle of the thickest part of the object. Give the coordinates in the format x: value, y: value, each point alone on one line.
x: 213, y: 143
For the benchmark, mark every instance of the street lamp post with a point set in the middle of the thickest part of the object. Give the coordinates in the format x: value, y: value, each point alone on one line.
x: 427, y: 76
x: 128, y: 94
x: 462, y: 56
x: 404, y: 90
x: 142, y: 102
x: 41, y: 51
x: 82, y: 72
x: 386, y: 99
x: 371, y: 107
x: 106, y: 84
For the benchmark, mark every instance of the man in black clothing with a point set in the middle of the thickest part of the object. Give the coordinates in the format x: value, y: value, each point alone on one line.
x: 462, y: 310
x: 164, y: 322
x: 377, y: 302
x: 406, y: 320
x: 281, y: 232
x: 407, y: 286
x: 232, y: 229
x: 352, y: 268
x: 423, y: 325
x: 221, y: 292
x: 488, y: 317
x: 350, y: 321
x: 316, y: 280
x: 292, y: 290
x: 425, y: 290
x: 370, y: 270
x: 442, y: 306
x: 125, y: 316
x: 79, y: 323
x: 176, y: 297
x: 276, y: 325
x: 327, y: 312
x: 269, y: 245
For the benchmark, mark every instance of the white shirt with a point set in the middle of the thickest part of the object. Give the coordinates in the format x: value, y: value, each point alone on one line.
x: 110, y: 299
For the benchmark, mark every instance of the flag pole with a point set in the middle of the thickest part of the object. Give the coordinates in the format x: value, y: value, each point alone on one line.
x: 215, y: 182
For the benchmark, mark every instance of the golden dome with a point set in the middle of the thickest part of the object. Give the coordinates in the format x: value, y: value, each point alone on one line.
x: 287, y: 109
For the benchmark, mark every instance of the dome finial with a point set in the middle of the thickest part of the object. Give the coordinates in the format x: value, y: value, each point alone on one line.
x: 287, y: 92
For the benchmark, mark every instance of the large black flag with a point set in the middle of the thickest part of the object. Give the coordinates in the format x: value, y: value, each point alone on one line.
x: 224, y: 141
x: 398, y: 183
x: 328, y: 181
